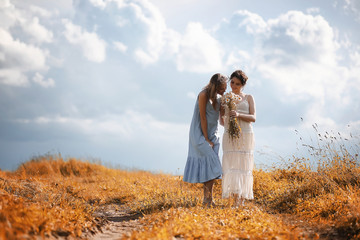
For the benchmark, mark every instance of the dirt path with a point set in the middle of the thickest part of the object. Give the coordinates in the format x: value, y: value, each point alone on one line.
x: 119, y: 222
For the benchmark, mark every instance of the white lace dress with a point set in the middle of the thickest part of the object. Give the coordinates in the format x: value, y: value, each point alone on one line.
x: 238, y: 157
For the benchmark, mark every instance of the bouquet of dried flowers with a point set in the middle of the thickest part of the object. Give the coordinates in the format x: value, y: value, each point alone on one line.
x: 230, y: 100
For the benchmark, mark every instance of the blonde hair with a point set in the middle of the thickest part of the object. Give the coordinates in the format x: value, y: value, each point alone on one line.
x: 211, y: 88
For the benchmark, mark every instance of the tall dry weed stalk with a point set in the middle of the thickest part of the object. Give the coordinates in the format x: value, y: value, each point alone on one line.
x: 323, y: 187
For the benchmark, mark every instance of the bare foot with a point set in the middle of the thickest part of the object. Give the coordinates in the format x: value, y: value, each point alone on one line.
x: 209, y: 204
x: 239, y: 202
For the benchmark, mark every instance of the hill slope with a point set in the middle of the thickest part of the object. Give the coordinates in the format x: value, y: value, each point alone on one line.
x: 52, y: 197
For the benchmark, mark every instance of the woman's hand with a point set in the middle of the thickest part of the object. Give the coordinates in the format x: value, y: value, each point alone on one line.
x: 210, y: 143
x: 233, y: 113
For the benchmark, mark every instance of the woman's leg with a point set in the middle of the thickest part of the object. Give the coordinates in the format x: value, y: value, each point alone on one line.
x: 208, y: 191
x: 236, y: 200
x: 239, y: 201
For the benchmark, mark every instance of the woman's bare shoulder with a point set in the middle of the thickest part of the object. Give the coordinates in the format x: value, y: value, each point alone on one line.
x: 249, y: 97
x: 202, y: 95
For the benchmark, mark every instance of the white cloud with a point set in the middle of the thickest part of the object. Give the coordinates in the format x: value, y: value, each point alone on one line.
x: 239, y: 60
x: 313, y: 10
x: 354, y: 71
x: 21, y: 37
x: 121, y: 3
x: 19, y: 54
x: 305, y: 37
x: 144, y: 57
x: 28, y: 20
x: 38, y: 11
x: 309, y: 80
x: 355, y: 57
x: 18, y: 58
x: 172, y: 43
x: 130, y: 126
x: 154, y: 23
x: 316, y: 114
x: 93, y: 47
x: 8, y: 14
x: 138, y: 25
x: 13, y: 77
x: 120, y: 46
x: 199, y: 51
x: 353, y: 6
x: 297, y: 52
x: 38, y: 32
x: 39, y: 79
x: 98, y: 3
x: 121, y: 22
x: 253, y: 22
x: 288, y: 39
x: 4, y: 3
x: 298, y: 55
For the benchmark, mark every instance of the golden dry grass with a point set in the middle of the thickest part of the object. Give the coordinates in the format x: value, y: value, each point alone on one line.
x: 49, y: 196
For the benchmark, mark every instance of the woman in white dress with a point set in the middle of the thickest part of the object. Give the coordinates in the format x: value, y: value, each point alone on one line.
x: 238, y: 157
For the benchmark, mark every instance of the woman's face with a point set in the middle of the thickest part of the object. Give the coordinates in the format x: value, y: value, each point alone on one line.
x: 235, y: 84
x: 221, y: 89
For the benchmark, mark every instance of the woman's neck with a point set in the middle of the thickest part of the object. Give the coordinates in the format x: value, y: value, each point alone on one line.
x: 238, y: 92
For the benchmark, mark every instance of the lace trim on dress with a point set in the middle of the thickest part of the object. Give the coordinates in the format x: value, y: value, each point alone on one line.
x: 245, y: 152
x: 239, y: 171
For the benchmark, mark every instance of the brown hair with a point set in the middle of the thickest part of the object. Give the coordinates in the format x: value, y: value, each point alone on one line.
x: 240, y: 75
x: 211, y: 88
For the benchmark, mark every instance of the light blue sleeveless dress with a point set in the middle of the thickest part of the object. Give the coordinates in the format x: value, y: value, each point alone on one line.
x: 203, y: 162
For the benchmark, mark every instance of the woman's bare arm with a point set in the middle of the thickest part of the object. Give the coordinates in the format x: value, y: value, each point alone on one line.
x: 251, y: 116
x: 203, y: 99
x: 222, y: 113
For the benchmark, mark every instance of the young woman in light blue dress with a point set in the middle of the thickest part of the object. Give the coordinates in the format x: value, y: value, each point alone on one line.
x: 203, y: 163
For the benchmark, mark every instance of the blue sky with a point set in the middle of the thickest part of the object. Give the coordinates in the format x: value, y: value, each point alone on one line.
x: 117, y: 80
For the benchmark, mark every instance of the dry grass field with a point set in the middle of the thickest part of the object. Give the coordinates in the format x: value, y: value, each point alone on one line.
x: 51, y: 197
